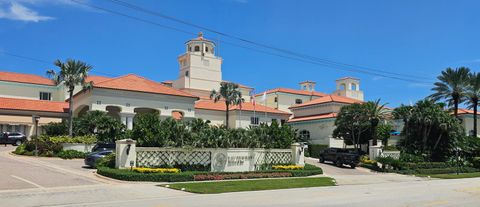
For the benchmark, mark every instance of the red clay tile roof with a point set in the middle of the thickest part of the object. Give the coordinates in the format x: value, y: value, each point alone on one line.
x: 326, y: 99
x: 314, y: 117
x: 96, y: 79
x: 33, y: 105
x: 133, y: 82
x: 177, y: 115
x: 25, y: 78
x: 466, y: 111
x: 239, y: 85
x: 293, y: 91
x: 247, y: 106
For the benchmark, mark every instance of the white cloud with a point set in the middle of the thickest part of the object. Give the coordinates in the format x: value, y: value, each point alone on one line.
x: 21, y: 10
x: 16, y: 11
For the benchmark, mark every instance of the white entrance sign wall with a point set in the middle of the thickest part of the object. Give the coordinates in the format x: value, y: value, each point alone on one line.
x: 219, y: 159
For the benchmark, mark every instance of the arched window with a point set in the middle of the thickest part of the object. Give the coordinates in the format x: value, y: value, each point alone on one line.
x: 206, y: 49
x: 354, y: 87
x: 197, y: 48
x: 298, y: 101
x: 187, y: 73
x: 304, y: 134
x: 343, y: 86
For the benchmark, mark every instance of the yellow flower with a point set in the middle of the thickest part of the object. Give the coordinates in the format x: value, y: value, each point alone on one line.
x: 156, y: 170
x: 287, y: 167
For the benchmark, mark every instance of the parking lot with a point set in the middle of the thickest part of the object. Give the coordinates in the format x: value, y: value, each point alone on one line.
x: 21, y: 172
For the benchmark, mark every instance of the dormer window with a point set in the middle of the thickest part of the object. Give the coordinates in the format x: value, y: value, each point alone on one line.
x: 197, y: 48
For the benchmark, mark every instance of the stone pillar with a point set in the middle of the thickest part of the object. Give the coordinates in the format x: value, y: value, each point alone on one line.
x: 374, y: 151
x: 124, y: 120
x: 298, y: 154
x: 126, y: 154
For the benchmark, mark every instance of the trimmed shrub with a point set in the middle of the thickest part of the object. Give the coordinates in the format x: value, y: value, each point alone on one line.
x: 476, y: 162
x: 88, y: 139
x: 314, y: 150
x: 20, y: 150
x: 107, y: 161
x: 152, y: 177
x: 70, y: 154
x: 192, y: 175
x: 405, y: 157
x: 45, y: 148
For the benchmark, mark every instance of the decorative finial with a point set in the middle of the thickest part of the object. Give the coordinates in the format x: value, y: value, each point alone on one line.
x: 200, y: 34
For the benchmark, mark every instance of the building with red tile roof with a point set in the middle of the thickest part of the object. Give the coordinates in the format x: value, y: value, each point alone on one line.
x: 25, y: 78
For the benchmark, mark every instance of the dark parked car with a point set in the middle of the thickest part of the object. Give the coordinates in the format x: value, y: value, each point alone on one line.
x: 13, y: 138
x: 340, y: 157
x: 91, y: 158
x: 103, y: 147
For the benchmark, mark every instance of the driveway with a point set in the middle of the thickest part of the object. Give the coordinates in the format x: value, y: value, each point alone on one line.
x: 359, y: 175
x: 22, y: 172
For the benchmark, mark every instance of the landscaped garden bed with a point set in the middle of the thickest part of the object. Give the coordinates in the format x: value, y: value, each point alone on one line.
x: 252, y: 185
x: 51, y: 146
x: 178, y: 176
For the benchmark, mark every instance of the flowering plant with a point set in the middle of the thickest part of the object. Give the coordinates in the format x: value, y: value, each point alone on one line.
x: 155, y: 170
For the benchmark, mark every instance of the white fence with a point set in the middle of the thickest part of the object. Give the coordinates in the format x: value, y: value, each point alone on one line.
x: 219, y: 159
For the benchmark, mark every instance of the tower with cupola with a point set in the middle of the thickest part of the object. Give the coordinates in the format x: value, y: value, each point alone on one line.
x: 200, y: 69
x: 349, y: 87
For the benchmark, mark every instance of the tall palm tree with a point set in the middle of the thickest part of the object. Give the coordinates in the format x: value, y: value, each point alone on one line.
x: 229, y: 93
x: 473, y: 95
x: 71, y: 74
x: 375, y: 113
x: 451, y: 86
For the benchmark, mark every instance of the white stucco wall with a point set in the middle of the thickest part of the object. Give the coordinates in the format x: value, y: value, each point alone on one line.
x: 237, y: 119
x: 29, y: 91
x: 467, y: 123
x: 99, y: 99
x: 320, y: 130
x: 285, y: 100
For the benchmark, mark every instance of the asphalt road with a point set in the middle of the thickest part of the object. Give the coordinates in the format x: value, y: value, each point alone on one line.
x: 20, y: 172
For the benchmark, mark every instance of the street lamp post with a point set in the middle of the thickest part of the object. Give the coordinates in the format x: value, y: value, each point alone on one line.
x: 35, y: 119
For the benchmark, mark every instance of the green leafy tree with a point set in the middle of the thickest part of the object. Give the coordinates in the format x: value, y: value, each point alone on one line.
x: 383, y: 132
x: 452, y: 86
x: 432, y: 131
x: 404, y: 113
x: 473, y: 94
x: 352, y: 125
x: 71, y: 74
x: 230, y: 94
x: 99, y: 123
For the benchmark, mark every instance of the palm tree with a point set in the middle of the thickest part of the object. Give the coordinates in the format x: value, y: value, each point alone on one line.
x: 451, y: 86
x: 375, y: 112
x: 71, y: 73
x: 230, y: 94
x: 473, y: 95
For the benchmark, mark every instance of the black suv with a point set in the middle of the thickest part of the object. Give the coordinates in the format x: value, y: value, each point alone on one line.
x: 340, y: 157
x: 13, y: 138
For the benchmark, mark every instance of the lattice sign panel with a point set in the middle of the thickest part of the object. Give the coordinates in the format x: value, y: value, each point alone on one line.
x: 274, y: 158
x: 172, y: 158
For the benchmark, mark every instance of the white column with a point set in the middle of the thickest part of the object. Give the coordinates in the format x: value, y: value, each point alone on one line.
x: 130, y: 122
x: 124, y: 120
x: 126, y: 154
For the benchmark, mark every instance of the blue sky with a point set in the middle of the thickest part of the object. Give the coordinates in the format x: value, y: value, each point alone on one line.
x: 419, y: 38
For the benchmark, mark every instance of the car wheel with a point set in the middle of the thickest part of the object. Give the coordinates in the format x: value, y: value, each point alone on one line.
x: 353, y: 166
x: 339, y: 163
x: 321, y: 160
x: 18, y: 142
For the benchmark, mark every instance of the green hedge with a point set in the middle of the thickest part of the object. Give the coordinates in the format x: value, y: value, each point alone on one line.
x: 439, y: 170
x: 89, y: 139
x: 151, y: 177
x: 125, y: 174
x: 314, y: 150
x: 70, y: 154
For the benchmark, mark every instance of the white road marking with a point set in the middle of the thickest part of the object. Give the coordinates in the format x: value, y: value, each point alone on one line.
x: 27, y: 181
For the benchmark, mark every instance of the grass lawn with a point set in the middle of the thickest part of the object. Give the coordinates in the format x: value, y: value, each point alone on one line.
x: 454, y: 175
x: 253, y: 185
